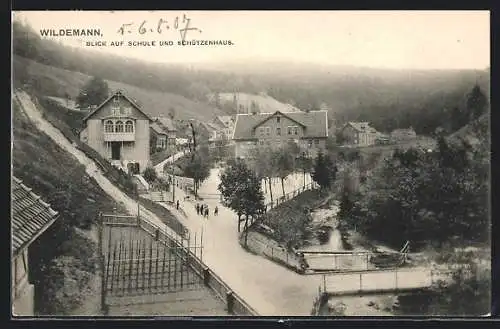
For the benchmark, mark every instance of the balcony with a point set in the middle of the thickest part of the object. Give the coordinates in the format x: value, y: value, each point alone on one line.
x: 119, y: 137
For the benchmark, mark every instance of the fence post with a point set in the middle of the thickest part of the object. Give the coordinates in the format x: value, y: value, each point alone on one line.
x: 396, y: 279
x: 206, y: 276
x: 360, y: 282
x: 230, y: 301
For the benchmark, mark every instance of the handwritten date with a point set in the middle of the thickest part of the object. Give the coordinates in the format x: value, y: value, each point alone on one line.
x: 161, y: 26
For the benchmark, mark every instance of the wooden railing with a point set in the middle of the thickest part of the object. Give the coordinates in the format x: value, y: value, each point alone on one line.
x: 377, y: 281
x: 234, y: 303
x: 290, y: 195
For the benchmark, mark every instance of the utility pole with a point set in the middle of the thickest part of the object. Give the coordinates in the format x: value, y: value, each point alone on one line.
x: 173, y: 185
x: 138, y: 205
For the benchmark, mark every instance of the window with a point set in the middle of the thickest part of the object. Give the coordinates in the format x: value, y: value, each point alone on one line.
x: 310, y: 142
x: 261, y: 142
x: 129, y: 127
x: 108, y: 126
x: 119, y: 127
x: 268, y: 131
x: 160, y: 142
x: 293, y: 130
x: 261, y: 131
x: 316, y: 142
x: 278, y: 119
x: 278, y: 131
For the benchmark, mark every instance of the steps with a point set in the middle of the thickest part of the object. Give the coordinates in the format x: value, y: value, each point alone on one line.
x: 143, y: 182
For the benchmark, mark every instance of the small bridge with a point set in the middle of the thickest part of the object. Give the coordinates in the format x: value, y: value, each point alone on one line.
x: 378, y: 281
x: 349, y: 261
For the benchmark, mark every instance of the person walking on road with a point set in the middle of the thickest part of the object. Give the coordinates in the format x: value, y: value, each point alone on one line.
x: 177, y: 205
x: 206, y: 212
x: 216, y: 211
x: 197, y: 208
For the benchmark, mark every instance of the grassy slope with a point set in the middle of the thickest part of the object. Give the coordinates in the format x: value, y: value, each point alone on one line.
x: 266, y: 103
x: 57, y: 82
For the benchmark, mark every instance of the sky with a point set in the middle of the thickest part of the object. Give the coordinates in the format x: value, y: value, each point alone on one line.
x: 380, y: 39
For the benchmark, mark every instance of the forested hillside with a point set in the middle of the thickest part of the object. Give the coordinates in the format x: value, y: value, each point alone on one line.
x: 389, y: 99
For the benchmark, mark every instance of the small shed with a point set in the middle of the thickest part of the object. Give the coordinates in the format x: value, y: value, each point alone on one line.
x: 30, y: 217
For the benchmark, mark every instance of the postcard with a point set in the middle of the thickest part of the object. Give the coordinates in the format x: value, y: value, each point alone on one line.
x: 250, y: 163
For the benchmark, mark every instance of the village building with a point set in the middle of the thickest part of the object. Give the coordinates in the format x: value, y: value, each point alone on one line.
x: 168, y: 128
x: 227, y: 124
x: 401, y: 135
x: 119, y: 130
x: 223, y: 130
x: 159, y: 136
x: 309, y: 130
x: 30, y: 217
x: 359, y: 134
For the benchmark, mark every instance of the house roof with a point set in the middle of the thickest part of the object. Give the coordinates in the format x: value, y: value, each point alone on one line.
x: 315, y: 123
x: 117, y: 93
x: 362, y: 127
x: 157, y: 128
x: 30, y: 215
x: 167, y: 123
x: 226, y: 120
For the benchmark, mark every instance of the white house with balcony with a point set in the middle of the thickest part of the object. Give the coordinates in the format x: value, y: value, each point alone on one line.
x: 119, y: 130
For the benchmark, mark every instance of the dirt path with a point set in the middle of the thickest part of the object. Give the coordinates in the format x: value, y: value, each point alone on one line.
x: 170, y: 160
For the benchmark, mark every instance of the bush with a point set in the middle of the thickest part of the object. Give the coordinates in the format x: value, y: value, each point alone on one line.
x: 150, y: 174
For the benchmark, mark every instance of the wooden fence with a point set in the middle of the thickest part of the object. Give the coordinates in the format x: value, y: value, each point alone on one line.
x: 189, y: 255
x: 290, y: 195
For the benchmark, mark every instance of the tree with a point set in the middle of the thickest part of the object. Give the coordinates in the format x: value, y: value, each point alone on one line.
x: 94, y: 92
x: 284, y: 164
x: 263, y: 166
x: 171, y: 113
x: 305, y: 164
x: 149, y: 174
x: 242, y: 192
x: 198, y: 168
x: 346, y: 204
x: 324, y: 171
x: 476, y: 103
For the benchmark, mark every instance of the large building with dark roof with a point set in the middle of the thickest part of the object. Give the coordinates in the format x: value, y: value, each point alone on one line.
x: 309, y: 130
x: 359, y: 133
x: 30, y: 217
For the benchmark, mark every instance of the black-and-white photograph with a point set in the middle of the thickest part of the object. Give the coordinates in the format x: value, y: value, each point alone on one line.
x: 250, y: 163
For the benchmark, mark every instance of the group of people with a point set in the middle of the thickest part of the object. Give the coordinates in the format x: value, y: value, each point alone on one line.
x: 202, y: 209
